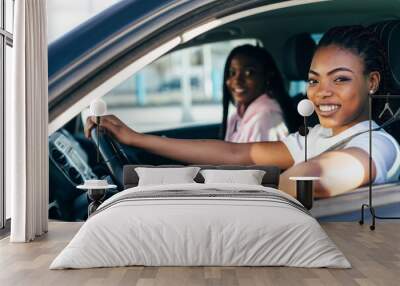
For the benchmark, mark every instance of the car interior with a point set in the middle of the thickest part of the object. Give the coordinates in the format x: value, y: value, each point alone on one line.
x: 288, y: 34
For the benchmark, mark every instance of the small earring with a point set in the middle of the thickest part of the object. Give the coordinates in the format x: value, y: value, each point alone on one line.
x: 371, y: 91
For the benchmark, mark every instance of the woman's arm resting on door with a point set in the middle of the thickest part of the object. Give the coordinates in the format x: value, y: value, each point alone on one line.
x: 340, y: 172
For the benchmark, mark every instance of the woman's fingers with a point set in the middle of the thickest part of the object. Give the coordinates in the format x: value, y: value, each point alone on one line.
x: 113, y: 119
x: 106, y: 120
x: 91, y: 122
x: 110, y: 123
x: 88, y: 126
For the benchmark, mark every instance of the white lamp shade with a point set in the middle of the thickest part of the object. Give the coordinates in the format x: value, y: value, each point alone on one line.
x: 305, y: 107
x: 98, y: 108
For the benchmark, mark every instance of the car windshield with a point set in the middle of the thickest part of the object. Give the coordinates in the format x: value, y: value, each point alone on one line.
x: 64, y: 15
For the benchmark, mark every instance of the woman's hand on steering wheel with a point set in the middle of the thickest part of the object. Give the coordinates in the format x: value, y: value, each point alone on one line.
x: 114, y: 156
x: 119, y: 130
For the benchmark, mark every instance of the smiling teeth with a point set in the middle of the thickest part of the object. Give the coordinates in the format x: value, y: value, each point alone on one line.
x: 328, y: 107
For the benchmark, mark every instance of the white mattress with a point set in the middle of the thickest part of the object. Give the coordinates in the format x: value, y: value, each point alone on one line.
x: 183, y: 231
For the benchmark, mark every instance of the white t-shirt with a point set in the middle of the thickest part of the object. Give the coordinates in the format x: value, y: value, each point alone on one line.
x: 385, y: 149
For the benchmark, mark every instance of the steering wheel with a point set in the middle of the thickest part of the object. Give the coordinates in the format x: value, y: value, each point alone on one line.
x: 112, y: 153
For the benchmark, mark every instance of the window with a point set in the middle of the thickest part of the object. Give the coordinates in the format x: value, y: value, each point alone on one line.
x: 9, y: 11
x: 64, y: 15
x: 6, y: 41
x: 183, y: 88
x: 300, y: 86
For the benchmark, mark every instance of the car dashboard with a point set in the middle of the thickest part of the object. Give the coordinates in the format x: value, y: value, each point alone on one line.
x: 68, y: 156
x: 70, y: 164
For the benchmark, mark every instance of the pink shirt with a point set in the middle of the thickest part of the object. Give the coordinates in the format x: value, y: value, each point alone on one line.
x: 262, y: 121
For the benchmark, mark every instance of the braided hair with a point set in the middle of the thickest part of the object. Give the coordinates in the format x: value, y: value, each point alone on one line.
x: 274, y: 87
x: 365, y: 43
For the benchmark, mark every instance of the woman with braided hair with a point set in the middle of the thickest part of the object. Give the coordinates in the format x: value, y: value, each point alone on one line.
x: 348, y: 65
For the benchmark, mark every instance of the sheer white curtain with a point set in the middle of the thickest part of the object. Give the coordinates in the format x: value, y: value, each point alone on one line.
x: 26, y: 123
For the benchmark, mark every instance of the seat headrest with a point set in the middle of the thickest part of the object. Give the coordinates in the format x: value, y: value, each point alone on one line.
x: 298, y: 51
x: 389, y: 33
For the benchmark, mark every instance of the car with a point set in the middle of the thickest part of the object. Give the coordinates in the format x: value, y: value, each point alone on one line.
x: 103, y: 56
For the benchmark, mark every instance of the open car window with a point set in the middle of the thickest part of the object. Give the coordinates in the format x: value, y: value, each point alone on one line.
x: 60, y: 14
x: 300, y: 86
x: 180, y: 89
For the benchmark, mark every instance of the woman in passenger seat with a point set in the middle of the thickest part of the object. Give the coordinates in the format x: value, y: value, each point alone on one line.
x: 252, y: 82
x: 348, y: 65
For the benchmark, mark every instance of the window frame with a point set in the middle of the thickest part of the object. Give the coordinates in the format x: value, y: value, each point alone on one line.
x: 6, y: 39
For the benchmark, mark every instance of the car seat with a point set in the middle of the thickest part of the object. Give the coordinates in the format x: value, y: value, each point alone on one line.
x: 298, y: 52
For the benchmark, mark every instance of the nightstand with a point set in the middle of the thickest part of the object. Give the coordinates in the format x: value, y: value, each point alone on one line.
x: 96, y: 190
x: 305, y: 190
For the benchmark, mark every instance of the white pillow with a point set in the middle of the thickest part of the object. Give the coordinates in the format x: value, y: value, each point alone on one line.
x: 248, y: 177
x: 163, y: 176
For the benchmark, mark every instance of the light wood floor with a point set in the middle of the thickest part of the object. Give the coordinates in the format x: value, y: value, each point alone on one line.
x: 375, y: 257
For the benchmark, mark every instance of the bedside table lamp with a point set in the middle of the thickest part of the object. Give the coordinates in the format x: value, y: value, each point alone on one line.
x: 305, y: 108
x: 395, y: 117
x: 98, y: 108
x: 304, y: 185
x: 96, y: 189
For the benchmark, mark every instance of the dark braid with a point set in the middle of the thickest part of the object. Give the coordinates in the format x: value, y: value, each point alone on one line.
x: 364, y: 43
x: 275, y: 87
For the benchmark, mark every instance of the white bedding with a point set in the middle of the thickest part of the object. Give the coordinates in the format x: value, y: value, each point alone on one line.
x: 182, y: 231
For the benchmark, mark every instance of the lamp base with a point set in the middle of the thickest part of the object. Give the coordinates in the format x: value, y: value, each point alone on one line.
x: 373, y: 215
x: 305, y: 193
x: 305, y: 190
x: 96, y: 196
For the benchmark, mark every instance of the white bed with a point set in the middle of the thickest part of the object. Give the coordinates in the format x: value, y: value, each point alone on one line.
x: 201, y: 224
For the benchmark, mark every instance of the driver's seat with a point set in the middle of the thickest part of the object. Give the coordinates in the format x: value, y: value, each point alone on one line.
x: 298, y: 53
x: 389, y: 34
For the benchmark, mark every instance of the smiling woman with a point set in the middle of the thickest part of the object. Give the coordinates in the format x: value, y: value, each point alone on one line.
x: 254, y: 84
x: 341, y: 75
x: 339, y: 92
x: 348, y: 64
